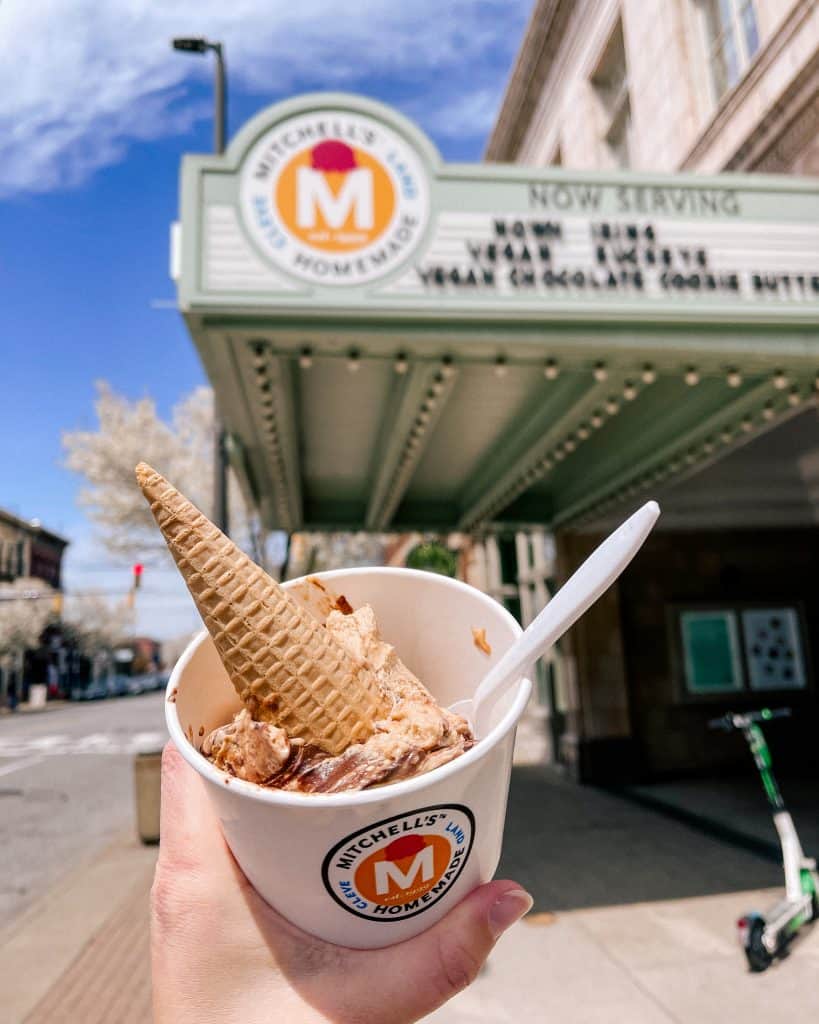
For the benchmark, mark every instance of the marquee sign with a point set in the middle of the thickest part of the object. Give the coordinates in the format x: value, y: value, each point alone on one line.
x: 339, y: 202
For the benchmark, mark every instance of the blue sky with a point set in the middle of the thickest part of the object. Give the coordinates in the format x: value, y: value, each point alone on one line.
x: 95, y: 114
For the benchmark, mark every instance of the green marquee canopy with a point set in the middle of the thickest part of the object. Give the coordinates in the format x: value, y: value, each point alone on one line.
x: 396, y: 342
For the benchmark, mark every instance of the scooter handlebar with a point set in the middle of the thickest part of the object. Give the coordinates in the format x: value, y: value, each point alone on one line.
x: 733, y: 720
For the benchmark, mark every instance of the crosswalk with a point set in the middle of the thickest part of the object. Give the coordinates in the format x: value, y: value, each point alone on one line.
x: 61, y: 744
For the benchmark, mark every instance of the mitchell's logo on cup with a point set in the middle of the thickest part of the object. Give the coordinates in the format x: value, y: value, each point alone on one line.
x: 399, y: 867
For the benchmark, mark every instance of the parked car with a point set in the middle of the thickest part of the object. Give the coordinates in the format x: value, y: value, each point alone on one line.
x: 136, y: 685
x: 117, y: 685
x: 96, y: 690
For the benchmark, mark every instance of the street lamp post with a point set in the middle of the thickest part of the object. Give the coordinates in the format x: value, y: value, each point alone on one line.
x: 199, y: 45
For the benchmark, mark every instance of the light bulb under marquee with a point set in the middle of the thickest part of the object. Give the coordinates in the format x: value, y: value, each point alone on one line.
x: 692, y: 377
x: 648, y: 374
x: 600, y: 373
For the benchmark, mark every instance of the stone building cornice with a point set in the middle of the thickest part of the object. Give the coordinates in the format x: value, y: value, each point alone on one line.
x: 542, y: 39
x: 789, y: 126
x: 30, y: 528
x: 730, y: 107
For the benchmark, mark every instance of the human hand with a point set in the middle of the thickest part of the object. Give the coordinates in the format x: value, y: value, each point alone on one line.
x: 221, y: 954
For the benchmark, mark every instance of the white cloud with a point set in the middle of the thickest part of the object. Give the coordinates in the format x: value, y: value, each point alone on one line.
x: 80, y: 81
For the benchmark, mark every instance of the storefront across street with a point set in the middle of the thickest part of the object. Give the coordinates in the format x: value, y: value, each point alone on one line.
x: 397, y: 343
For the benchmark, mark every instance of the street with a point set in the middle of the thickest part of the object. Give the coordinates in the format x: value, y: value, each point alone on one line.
x: 66, y: 786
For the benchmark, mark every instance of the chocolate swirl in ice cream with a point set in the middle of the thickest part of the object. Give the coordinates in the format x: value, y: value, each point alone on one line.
x: 415, y: 735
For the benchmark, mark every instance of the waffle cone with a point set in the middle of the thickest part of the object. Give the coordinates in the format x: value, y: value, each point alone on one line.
x: 285, y: 666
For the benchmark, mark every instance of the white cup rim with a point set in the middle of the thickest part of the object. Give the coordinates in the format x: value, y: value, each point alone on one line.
x: 359, y: 797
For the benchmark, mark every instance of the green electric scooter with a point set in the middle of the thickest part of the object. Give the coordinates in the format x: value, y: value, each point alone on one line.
x: 766, y: 936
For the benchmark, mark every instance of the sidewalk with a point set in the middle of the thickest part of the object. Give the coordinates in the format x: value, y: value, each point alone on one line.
x: 737, y: 808
x: 81, y: 953
x: 633, y: 922
x: 34, y: 709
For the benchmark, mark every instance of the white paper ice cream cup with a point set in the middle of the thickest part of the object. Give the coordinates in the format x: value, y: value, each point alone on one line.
x: 374, y: 867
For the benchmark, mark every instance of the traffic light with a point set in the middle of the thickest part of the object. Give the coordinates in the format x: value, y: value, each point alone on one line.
x: 137, y: 575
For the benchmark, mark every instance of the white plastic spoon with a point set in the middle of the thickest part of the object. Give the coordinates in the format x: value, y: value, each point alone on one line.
x: 591, y: 580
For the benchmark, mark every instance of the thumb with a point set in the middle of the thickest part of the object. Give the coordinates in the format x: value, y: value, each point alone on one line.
x: 440, y: 962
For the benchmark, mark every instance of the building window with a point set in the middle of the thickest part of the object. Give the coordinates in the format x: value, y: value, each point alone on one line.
x: 508, y: 559
x: 711, y: 657
x: 773, y: 649
x: 732, y: 39
x: 729, y: 650
x: 610, y: 83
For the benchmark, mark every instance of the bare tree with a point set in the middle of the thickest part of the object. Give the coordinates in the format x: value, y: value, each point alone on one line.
x: 182, y: 449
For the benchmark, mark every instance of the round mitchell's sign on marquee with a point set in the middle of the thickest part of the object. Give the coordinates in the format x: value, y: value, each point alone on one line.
x: 334, y: 197
x: 400, y: 867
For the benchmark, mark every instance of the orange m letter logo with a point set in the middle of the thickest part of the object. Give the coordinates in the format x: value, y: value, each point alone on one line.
x: 422, y: 863
x: 356, y: 193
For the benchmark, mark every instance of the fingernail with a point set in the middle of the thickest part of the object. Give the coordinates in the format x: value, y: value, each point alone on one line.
x: 509, y: 908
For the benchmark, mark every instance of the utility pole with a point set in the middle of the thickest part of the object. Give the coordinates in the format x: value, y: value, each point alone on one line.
x: 220, y: 459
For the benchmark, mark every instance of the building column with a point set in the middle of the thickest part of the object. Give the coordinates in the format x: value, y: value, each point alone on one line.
x: 597, y: 742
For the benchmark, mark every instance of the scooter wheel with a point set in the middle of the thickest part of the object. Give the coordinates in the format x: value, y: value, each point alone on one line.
x: 759, y: 959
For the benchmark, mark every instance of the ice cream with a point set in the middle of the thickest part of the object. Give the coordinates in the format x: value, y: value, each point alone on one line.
x: 327, y: 705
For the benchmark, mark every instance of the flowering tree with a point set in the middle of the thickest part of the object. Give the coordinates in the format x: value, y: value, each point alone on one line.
x: 96, y: 624
x: 23, y: 617
x: 182, y: 449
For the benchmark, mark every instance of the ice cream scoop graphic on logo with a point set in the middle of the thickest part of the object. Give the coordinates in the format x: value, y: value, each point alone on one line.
x: 398, y: 868
x: 352, y: 197
x: 335, y: 197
